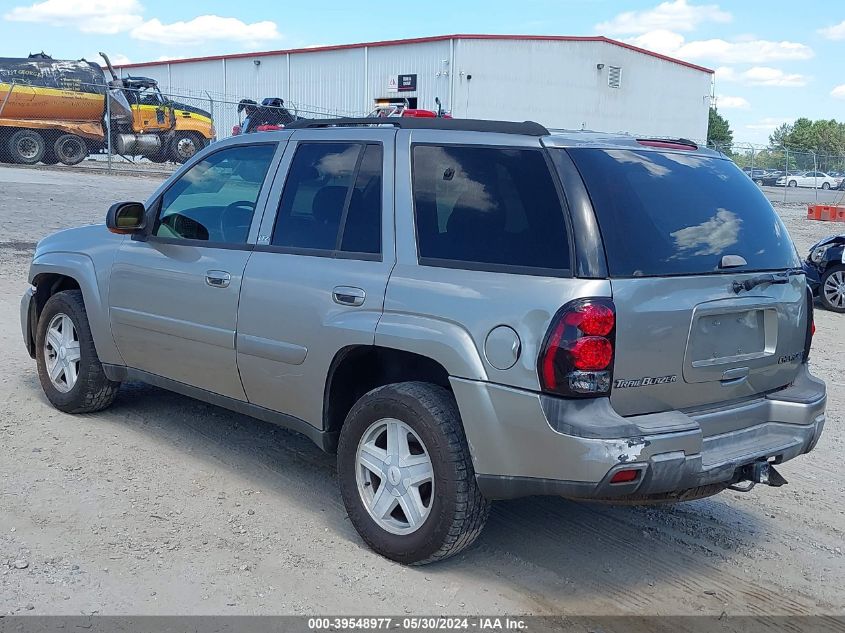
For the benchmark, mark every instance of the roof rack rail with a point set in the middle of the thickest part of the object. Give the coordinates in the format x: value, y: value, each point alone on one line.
x: 527, y: 128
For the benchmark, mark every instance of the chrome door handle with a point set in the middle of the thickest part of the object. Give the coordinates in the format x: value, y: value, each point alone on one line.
x: 218, y: 278
x: 348, y: 295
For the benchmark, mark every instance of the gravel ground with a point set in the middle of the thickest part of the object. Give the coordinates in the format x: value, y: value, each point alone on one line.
x: 163, y: 504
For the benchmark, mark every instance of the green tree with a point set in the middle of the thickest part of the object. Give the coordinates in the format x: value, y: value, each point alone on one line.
x: 778, y: 138
x: 719, y: 133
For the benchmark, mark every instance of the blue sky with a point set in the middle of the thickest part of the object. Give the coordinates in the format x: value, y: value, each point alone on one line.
x: 775, y: 60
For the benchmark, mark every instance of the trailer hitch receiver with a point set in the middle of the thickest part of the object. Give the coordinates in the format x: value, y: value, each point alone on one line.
x: 761, y: 472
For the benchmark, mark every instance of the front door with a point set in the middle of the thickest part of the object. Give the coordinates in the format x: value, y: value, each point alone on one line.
x: 173, y: 296
x: 317, y: 278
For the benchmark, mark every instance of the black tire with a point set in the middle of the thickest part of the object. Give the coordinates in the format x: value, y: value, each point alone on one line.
x: 825, y: 186
x: 458, y: 511
x: 822, y: 296
x: 793, y: 183
x: 26, y: 147
x: 70, y: 149
x: 92, y: 390
x: 759, y: 182
x: 185, y: 146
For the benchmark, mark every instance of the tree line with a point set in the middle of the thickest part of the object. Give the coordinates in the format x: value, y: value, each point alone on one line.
x: 800, y: 140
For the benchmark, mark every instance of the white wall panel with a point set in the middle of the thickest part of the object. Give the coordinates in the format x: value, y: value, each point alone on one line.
x: 328, y: 81
x: 556, y: 83
x: 428, y: 60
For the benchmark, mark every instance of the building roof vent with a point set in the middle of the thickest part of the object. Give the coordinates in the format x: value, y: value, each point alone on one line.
x: 614, y: 77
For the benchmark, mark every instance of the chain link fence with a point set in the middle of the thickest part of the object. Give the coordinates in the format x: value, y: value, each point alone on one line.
x: 786, y: 167
x: 132, y: 127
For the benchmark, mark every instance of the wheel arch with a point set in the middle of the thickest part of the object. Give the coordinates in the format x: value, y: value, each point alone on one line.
x: 54, y: 272
x: 358, y: 369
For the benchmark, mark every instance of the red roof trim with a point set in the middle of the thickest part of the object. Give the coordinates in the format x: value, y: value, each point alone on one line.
x: 421, y: 40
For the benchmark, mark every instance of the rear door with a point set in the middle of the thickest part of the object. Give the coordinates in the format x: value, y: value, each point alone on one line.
x: 316, y: 280
x: 709, y: 307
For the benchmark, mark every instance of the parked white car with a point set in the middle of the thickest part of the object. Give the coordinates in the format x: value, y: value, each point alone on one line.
x: 814, y: 179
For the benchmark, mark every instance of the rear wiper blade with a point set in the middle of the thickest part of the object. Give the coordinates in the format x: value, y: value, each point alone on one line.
x: 760, y: 280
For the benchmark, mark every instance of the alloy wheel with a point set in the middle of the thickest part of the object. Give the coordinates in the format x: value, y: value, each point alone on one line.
x: 395, y: 476
x: 834, y: 289
x: 62, y: 352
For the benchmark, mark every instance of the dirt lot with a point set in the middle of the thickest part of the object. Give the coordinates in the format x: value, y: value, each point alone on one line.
x: 163, y: 504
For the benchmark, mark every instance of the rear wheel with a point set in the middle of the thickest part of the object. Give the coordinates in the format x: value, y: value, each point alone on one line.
x: 69, y: 369
x: 793, y: 183
x: 406, y: 475
x: 185, y: 145
x: 825, y: 185
x: 26, y: 147
x: 759, y: 182
x: 832, y: 293
x: 70, y: 149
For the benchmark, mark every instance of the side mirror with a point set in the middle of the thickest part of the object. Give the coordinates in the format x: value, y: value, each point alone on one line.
x: 125, y: 218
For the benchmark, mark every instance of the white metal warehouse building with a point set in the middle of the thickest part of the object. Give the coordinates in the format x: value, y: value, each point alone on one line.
x: 562, y: 82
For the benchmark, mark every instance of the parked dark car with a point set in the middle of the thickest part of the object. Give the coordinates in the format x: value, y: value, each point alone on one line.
x: 769, y: 178
x: 825, y: 269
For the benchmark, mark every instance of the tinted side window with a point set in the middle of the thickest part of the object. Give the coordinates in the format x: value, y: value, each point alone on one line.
x: 488, y: 206
x: 332, y: 194
x: 362, y: 229
x: 215, y: 200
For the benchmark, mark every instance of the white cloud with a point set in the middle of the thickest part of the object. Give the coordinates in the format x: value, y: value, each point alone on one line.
x: 89, y: 16
x: 732, y: 103
x: 678, y: 15
x: 765, y: 76
x: 726, y: 73
x: 205, y: 28
x: 722, y: 51
x: 835, y: 32
x: 768, y: 123
x: 761, y: 76
x: 838, y: 92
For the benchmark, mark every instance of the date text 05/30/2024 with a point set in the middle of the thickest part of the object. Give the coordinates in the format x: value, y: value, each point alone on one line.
x: 478, y: 623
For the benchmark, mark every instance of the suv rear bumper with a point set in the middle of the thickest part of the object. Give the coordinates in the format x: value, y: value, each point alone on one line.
x: 524, y: 443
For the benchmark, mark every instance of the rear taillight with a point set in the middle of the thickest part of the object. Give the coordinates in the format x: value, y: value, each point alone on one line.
x: 576, y: 358
x: 236, y: 129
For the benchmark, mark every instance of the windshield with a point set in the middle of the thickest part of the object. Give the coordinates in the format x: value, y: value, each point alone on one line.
x: 673, y: 213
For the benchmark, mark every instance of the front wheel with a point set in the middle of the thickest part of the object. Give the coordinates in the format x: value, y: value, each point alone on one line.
x: 793, y: 183
x: 406, y: 475
x: 69, y: 369
x: 832, y: 293
x: 184, y: 146
x: 759, y: 182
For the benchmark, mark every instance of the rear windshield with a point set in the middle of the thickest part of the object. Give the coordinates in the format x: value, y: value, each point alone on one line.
x: 672, y: 213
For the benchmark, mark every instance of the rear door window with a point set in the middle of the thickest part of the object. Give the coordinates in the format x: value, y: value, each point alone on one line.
x: 673, y: 213
x: 332, y: 199
x: 488, y: 208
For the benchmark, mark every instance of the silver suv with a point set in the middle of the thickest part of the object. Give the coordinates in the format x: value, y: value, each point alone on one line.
x: 462, y: 310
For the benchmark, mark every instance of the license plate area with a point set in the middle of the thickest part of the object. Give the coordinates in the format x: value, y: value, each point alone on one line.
x: 724, y: 338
